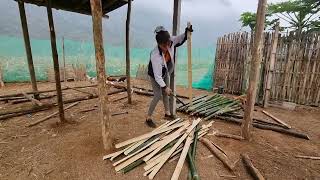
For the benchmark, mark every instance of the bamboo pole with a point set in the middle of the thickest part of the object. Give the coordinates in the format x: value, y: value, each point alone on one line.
x: 27, y: 45
x: 64, y: 62
x: 128, y: 52
x: 55, y: 62
x: 254, y: 73
x: 189, y: 36
x: 175, y: 31
x: 271, y: 64
x: 252, y: 170
x: 96, y: 11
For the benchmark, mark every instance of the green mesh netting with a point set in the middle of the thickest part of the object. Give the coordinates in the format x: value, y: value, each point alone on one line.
x: 14, y: 63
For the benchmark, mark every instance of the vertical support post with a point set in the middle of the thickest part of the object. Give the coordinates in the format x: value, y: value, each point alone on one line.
x: 96, y: 11
x: 271, y: 65
x: 254, y: 72
x: 27, y: 46
x: 55, y: 62
x: 64, y: 62
x: 128, y: 52
x: 175, y: 31
x: 189, y: 64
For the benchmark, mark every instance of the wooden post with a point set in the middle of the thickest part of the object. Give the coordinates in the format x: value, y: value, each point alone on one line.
x: 128, y: 52
x: 189, y: 65
x: 175, y: 31
x: 27, y: 46
x: 254, y: 72
x: 271, y: 64
x: 96, y: 11
x: 55, y: 62
x: 64, y: 62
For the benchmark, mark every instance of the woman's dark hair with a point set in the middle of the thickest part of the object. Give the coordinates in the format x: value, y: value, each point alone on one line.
x: 162, y: 37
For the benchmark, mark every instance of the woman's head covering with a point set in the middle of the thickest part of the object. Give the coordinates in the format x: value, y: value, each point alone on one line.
x: 162, y: 35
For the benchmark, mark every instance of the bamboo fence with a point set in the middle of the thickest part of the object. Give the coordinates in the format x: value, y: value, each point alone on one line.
x: 296, y: 74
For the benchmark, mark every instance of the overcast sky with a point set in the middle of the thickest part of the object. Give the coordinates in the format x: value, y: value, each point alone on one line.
x: 210, y: 18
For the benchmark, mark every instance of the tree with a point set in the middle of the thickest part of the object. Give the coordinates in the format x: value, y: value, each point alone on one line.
x: 249, y: 19
x: 299, y: 14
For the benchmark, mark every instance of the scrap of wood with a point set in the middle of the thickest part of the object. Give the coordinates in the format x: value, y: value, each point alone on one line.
x: 308, y: 157
x: 218, y: 147
x: 226, y: 135
x: 119, y: 99
x: 3, y: 142
x: 75, y: 89
x: 119, y: 113
x: 30, y: 98
x: 51, y: 115
x: 88, y: 110
x: 276, y: 119
x: 217, y: 153
x: 227, y: 176
x: 255, y: 173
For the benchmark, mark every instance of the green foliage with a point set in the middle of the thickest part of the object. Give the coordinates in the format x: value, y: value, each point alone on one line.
x: 298, y: 14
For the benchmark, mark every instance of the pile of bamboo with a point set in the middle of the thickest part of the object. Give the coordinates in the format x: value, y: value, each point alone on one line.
x: 210, y: 106
x: 170, y: 141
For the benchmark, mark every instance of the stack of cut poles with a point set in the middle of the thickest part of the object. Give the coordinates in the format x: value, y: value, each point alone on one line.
x: 170, y: 141
x: 210, y: 106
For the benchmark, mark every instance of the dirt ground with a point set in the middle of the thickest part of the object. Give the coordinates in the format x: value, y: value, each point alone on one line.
x: 75, y: 151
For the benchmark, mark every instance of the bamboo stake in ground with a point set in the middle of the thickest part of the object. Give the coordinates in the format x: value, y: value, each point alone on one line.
x: 254, y: 72
x: 276, y: 119
x: 128, y: 52
x: 96, y: 11
x: 51, y: 115
x: 189, y: 35
x: 252, y: 170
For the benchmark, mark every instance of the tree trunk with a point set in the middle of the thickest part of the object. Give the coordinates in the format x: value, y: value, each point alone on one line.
x: 128, y: 52
x: 254, y: 72
x: 55, y: 62
x: 96, y: 11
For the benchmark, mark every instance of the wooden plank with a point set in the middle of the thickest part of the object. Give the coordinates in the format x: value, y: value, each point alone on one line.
x: 55, y: 61
x: 27, y: 46
x: 276, y: 119
x: 51, y: 115
x: 177, y: 171
x: 128, y: 53
x: 33, y: 100
x: 148, y: 135
x: 96, y: 10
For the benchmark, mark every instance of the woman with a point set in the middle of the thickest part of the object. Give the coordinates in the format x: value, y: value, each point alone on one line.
x: 160, y: 68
